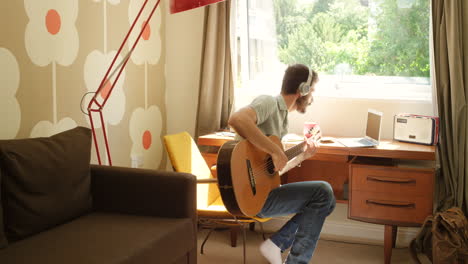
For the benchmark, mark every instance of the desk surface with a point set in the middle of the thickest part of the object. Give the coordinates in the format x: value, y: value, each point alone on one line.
x: 386, y: 149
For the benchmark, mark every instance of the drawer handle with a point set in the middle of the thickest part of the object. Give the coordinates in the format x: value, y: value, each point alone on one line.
x: 390, y: 180
x: 391, y: 204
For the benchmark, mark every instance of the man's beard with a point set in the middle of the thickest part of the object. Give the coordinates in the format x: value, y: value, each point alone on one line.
x: 301, y: 104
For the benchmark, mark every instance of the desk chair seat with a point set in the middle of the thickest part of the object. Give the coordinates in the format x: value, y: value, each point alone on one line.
x: 186, y: 157
x: 218, y: 210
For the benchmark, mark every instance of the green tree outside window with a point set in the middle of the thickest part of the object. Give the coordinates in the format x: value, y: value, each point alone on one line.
x: 373, y: 37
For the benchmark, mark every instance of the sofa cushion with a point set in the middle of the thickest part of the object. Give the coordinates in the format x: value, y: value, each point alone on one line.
x: 3, y: 240
x: 45, y: 181
x: 106, y: 238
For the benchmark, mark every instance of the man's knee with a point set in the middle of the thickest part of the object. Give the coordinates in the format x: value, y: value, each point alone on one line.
x: 328, y: 194
x: 325, y: 189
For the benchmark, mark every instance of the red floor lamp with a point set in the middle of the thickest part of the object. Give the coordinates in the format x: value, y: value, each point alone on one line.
x: 114, y: 71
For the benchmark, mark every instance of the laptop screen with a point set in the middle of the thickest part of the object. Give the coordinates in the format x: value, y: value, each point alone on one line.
x: 373, y: 125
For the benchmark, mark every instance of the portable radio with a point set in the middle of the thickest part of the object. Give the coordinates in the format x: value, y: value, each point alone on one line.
x: 416, y: 129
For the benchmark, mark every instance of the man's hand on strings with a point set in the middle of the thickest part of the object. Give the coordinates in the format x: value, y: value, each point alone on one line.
x: 311, y: 147
x: 279, y: 159
x: 312, y: 144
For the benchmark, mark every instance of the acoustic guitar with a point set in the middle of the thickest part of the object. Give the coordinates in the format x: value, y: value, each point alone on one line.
x: 246, y: 175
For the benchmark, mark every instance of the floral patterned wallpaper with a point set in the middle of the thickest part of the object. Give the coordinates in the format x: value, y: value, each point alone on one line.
x: 53, y: 55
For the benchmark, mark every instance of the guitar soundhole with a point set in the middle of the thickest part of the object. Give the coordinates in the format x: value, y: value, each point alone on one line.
x: 270, y: 166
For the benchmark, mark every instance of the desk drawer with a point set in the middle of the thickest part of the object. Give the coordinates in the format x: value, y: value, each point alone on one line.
x: 384, y: 208
x: 392, y: 180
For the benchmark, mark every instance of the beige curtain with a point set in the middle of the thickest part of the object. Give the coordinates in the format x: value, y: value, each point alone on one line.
x: 450, y: 40
x: 216, y: 82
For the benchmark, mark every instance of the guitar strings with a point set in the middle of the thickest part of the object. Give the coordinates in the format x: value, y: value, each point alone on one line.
x: 294, y: 150
x: 269, y: 165
x: 265, y: 167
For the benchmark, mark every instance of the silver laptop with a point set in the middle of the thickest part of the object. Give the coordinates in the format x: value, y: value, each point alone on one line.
x: 372, y: 138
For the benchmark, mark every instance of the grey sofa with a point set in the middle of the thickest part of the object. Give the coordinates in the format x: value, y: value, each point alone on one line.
x: 124, y: 216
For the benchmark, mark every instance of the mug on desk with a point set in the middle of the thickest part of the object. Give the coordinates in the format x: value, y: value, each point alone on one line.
x: 312, y: 129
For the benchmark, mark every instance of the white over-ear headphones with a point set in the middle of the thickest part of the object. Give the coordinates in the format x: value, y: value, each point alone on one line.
x: 304, y: 87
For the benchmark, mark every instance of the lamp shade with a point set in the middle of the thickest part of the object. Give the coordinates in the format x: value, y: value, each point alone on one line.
x: 183, y: 5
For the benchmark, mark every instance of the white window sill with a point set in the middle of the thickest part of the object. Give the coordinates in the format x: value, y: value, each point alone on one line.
x: 375, y: 88
x: 368, y: 88
x: 408, y: 97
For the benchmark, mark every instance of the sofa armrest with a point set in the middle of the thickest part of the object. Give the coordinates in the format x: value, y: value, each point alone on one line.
x: 143, y: 192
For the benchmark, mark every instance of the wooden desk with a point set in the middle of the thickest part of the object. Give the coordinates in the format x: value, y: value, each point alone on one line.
x: 391, y: 184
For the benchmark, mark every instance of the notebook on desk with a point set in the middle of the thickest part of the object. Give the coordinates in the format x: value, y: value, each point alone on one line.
x: 372, y: 137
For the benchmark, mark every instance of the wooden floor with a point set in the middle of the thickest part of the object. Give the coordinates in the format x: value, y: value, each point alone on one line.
x: 219, y: 251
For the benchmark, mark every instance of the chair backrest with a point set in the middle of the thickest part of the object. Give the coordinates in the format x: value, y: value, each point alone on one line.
x: 186, y: 157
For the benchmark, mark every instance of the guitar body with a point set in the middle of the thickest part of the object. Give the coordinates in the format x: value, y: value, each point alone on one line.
x: 245, y: 176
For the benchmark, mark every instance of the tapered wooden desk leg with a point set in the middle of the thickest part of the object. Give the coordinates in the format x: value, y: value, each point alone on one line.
x: 234, y: 231
x: 389, y: 242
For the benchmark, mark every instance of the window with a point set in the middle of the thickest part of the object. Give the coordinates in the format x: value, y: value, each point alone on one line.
x: 360, y: 48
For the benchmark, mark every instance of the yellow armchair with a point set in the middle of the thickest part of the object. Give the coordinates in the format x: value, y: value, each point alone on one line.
x: 186, y: 157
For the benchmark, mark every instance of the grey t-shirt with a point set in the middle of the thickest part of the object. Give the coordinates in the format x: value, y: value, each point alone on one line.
x: 272, y: 115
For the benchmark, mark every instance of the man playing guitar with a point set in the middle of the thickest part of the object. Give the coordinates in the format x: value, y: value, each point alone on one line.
x: 310, y: 201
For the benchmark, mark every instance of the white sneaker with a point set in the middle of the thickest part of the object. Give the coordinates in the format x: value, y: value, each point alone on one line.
x: 271, y: 252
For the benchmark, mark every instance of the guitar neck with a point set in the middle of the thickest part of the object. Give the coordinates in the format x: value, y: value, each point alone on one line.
x: 299, y: 148
x: 294, y: 151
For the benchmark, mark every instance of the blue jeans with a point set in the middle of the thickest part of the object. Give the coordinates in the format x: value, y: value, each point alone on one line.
x: 312, y: 202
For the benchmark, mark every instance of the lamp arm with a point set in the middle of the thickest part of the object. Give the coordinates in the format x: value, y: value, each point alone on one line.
x: 96, y: 106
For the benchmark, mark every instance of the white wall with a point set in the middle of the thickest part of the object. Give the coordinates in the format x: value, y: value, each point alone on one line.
x: 347, y: 117
x: 184, y: 33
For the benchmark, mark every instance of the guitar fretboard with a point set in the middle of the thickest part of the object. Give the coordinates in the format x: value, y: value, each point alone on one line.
x: 298, y: 149
x: 294, y: 151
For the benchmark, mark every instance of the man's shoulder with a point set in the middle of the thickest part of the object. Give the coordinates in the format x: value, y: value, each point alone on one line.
x: 264, y: 99
x: 266, y: 96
